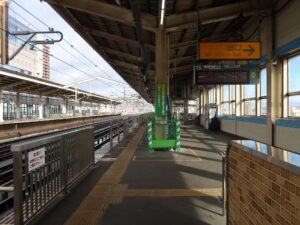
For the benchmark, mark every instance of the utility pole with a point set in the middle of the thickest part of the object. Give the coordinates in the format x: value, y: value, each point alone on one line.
x: 3, y: 32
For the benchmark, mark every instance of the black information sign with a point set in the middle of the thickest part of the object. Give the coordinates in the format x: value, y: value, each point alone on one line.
x: 226, y: 74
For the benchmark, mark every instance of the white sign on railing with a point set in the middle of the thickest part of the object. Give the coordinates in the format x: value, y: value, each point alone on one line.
x: 36, y: 159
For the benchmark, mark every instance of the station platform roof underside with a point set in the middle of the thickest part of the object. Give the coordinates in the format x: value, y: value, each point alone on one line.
x: 16, y: 82
x: 124, y: 32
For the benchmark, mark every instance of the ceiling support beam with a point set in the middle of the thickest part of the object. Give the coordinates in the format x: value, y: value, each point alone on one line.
x: 108, y: 11
x: 11, y: 86
x: 117, y: 38
x: 189, y: 19
x: 122, y: 54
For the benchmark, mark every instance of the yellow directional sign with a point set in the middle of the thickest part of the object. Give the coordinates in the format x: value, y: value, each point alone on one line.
x: 230, y: 50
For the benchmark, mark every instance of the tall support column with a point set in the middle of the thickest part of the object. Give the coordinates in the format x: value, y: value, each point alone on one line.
x: 162, y: 60
x: 201, y: 105
x: 41, y: 107
x: 186, y: 111
x: 91, y: 108
x: 18, y: 110
x: 99, y: 109
x: 272, y: 101
x: 80, y: 108
x: 3, y: 34
x: 65, y: 106
x: 1, y: 105
x: 162, y: 81
x: 238, y: 106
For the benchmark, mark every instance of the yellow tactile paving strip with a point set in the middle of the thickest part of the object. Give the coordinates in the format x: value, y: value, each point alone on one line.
x: 172, y: 192
x: 109, y: 191
x: 174, y: 159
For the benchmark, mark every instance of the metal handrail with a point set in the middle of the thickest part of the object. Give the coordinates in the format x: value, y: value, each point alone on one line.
x: 35, y: 190
x: 6, y: 189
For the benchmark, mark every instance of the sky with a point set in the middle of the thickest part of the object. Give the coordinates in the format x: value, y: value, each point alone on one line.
x: 60, y: 72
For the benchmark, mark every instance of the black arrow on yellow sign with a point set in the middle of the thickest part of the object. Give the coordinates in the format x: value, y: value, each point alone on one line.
x: 250, y: 50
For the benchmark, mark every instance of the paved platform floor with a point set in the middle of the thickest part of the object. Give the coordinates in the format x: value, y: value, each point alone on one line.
x: 142, y: 187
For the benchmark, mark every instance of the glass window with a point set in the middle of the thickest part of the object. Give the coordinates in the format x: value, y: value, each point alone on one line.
x: 263, y: 105
x: 294, y: 86
x: 263, y: 82
x: 249, y: 99
x: 294, y: 105
x: 225, y: 108
x: 212, y: 95
x: 249, y: 91
x: 232, y: 94
x: 250, y: 107
x: 294, y: 74
x: 263, y: 91
x: 225, y: 94
x: 233, y: 108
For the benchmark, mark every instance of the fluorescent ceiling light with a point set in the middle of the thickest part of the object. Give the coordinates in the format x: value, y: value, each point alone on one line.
x: 162, y: 12
x: 219, y: 19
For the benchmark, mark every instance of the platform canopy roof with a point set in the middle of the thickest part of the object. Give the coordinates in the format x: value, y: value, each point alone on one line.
x: 14, y: 81
x: 123, y: 31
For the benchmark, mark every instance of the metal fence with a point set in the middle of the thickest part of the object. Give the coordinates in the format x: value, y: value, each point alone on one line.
x: 44, y: 168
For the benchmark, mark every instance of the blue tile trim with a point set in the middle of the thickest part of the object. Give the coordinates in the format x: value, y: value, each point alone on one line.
x: 288, y: 47
x: 227, y: 117
x: 282, y: 50
x: 258, y: 120
x: 261, y: 61
x: 292, y: 123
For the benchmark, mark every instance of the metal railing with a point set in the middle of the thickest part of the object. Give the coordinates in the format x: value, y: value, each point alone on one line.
x: 224, y: 175
x: 44, y: 168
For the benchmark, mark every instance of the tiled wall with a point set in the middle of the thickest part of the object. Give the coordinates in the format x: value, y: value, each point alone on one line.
x: 261, y: 193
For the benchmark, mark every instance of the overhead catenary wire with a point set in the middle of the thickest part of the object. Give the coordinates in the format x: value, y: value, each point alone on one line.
x: 49, y: 54
x: 61, y: 72
x: 71, y: 45
x: 111, y: 86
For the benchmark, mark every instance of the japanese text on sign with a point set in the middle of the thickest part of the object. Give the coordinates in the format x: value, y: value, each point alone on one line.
x: 36, y: 159
x: 230, y: 50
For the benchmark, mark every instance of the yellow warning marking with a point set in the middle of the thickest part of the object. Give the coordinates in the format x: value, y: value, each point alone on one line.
x: 107, y: 190
x: 166, y: 160
x: 214, y: 192
x: 195, y: 154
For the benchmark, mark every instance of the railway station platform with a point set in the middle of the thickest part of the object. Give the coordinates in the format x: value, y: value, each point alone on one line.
x: 132, y: 185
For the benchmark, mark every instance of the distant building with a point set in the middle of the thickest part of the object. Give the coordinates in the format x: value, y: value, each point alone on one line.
x: 37, y: 63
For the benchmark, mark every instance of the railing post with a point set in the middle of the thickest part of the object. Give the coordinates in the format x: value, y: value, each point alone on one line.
x: 18, y: 185
x: 126, y: 131
x: 119, y: 124
x: 63, y: 165
x: 223, y: 198
x: 111, y: 136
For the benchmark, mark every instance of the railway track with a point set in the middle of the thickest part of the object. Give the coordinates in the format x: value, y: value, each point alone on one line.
x: 101, y: 134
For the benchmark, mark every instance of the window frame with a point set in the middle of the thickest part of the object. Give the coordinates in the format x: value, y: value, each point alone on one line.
x: 214, y: 89
x: 260, y: 97
x: 286, y: 81
x: 244, y: 100
x: 230, y: 101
